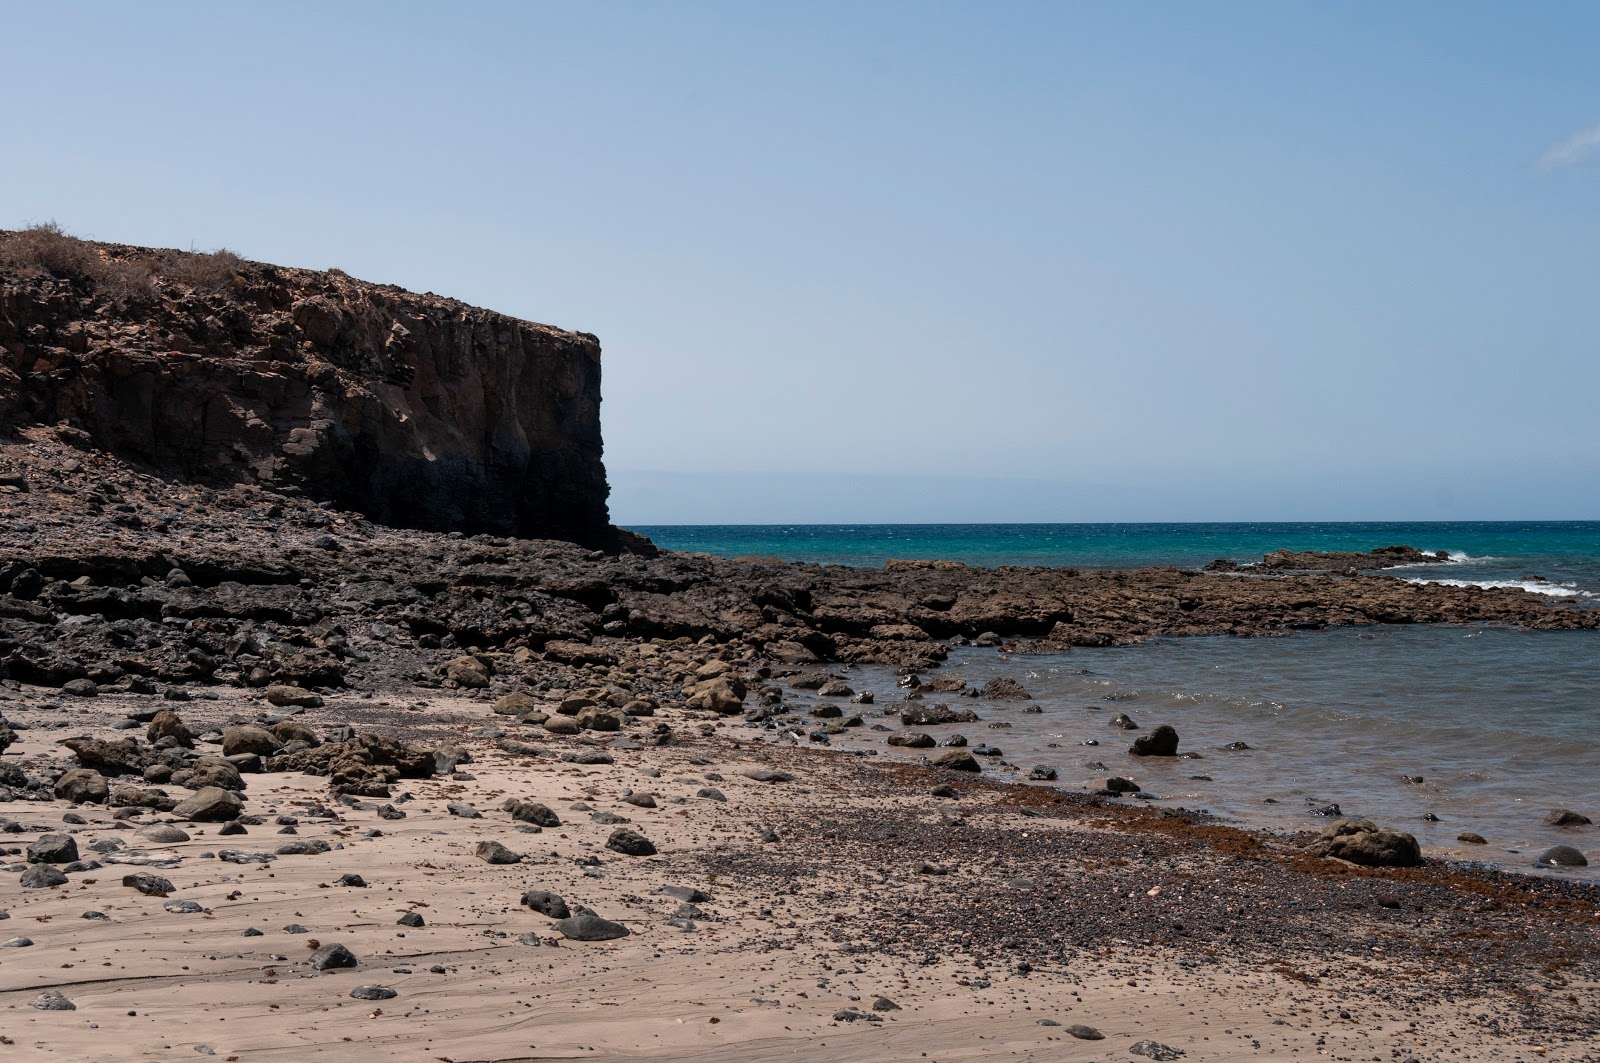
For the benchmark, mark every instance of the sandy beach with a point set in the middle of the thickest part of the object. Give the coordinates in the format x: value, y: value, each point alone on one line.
x: 989, y: 924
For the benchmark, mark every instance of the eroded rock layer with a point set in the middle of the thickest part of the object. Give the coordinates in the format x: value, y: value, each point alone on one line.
x: 414, y: 410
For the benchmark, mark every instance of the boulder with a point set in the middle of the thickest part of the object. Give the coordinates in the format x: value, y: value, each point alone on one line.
x: 168, y: 724
x: 249, y: 738
x: 41, y: 876
x: 918, y: 714
x: 630, y: 843
x: 287, y: 695
x: 590, y: 928
x: 957, y: 760
x: 492, y: 852
x: 517, y: 703
x: 723, y: 695
x: 1561, y: 856
x: 1003, y: 689
x: 82, y: 785
x: 911, y: 740
x: 1360, y: 841
x: 332, y: 956
x: 212, y: 804
x: 468, y: 672
x: 1162, y: 742
x: 120, y: 756
x: 209, y: 771
x: 597, y: 719
x: 531, y: 812
x: 1565, y: 817
x: 53, y: 849
x: 546, y: 903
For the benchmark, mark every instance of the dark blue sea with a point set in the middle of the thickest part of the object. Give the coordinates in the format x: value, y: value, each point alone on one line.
x: 1556, y: 558
x: 1500, y: 726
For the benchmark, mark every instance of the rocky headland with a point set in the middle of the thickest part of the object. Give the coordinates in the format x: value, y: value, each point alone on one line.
x: 291, y: 774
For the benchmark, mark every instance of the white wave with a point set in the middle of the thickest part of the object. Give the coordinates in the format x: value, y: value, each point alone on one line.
x: 1553, y: 590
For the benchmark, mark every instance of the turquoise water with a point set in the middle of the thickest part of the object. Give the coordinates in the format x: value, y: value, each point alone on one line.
x: 1564, y: 555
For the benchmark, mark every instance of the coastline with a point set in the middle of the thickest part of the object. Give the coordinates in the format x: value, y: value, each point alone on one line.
x: 548, y: 673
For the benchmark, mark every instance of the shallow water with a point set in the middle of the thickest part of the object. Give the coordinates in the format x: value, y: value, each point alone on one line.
x: 1501, y: 725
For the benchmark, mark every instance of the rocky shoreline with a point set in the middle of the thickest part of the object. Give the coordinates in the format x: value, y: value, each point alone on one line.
x: 556, y: 766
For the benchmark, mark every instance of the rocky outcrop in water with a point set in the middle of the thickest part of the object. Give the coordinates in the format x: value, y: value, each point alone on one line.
x: 1334, y: 561
x: 413, y: 410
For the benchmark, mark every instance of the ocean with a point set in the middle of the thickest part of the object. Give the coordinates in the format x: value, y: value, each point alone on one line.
x: 1555, y: 558
x: 1486, y: 729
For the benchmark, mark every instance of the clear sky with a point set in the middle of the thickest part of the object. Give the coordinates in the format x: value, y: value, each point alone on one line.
x: 916, y: 261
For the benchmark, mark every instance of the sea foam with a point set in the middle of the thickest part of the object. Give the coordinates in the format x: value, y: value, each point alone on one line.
x: 1553, y: 590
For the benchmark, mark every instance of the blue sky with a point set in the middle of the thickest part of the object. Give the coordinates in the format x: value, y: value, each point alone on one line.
x: 917, y: 261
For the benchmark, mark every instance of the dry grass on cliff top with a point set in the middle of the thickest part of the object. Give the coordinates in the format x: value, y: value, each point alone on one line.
x: 118, y: 273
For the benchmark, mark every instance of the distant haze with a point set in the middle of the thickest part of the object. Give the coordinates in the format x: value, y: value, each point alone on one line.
x: 920, y: 261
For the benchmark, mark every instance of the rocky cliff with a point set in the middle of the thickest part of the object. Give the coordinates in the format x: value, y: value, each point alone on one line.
x: 414, y: 410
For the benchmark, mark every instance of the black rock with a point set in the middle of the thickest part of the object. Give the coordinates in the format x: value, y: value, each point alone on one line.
x: 1154, y: 1050
x: 1162, y: 742
x: 590, y: 928
x: 1561, y: 856
x: 148, y: 884
x: 373, y: 992
x: 1085, y: 1033
x: 332, y: 955
x: 411, y: 919
x: 546, y: 903
x: 630, y: 843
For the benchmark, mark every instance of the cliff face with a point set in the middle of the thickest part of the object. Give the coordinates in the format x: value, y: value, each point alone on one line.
x: 416, y: 410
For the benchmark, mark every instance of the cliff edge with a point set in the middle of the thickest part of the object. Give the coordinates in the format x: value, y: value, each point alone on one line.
x: 415, y: 410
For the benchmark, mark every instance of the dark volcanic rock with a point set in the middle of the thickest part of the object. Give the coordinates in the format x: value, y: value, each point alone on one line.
x: 630, y: 843
x: 1562, y: 856
x: 1162, y: 742
x: 332, y: 956
x: 546, y: 903
x: 590, y: 928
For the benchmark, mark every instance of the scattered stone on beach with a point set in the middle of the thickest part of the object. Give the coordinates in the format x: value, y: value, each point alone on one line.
x: 1562, y: 856
x: 41, y: 876
x: 1085, y: 1033
x: 1003, y: 689
x: 492, y: 852
x: 922, y: 714
x: 352, y: 880
x: 768, y: 775
x: 182, y: 907
x: 1123, y: 721
x: 148, y: 884
x: 411, y: 919
x: 882, y: 1003
x: 1565, y: 817
x: 957, y: 760
x: 16, y: 943
x: 53, y: 849
x: 590, y: 928
x: 1162, y: 742
x: 524, y: 811
x: 163, y: 834
x: 630, y: 843
x: 332, y: 956
x: 1360, y: 841
x: 1470, y: 838
x: 546, y: 903
x: 53, y: 1000
x: 286, y: 695
x: 210, y: 804
x: 82, y: 786
x: 912, y: 740
x: 1042, y: 773
x: 1155, y: 1050
x: 462, y: 809
x: 373, y: 992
